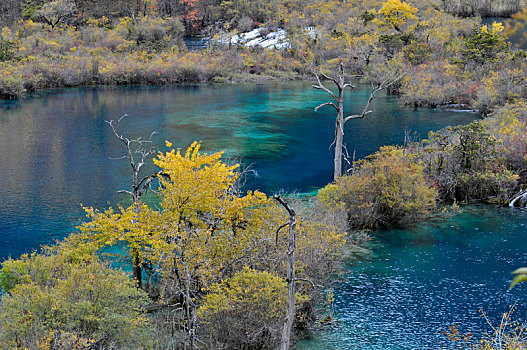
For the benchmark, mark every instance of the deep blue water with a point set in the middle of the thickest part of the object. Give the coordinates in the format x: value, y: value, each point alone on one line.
x: 420, y: 280
x: 56, y: 146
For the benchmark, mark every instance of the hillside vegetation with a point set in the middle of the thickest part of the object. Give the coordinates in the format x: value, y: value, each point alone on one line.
x: 445, y: 59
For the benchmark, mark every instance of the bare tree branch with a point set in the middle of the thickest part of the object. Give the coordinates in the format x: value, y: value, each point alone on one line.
x: 383, y: 85
x: 326, y: 104
x: 320, y: 86
x: 278, y: 231
x: 310, y: 282
x: 328, y: 77
x: 125, y: 191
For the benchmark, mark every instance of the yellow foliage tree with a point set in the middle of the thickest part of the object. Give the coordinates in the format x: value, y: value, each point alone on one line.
x: 395, y: 13
x: 204, y: 227
x: 203, y: 231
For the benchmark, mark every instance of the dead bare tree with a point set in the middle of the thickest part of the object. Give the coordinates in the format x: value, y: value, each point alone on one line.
x: 137, y: 151
x: 340, y: 81
x: 291, y: 278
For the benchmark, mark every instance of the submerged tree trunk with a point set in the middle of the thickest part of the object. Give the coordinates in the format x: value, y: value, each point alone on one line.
x: 136, y: 269
x: 190, y: 314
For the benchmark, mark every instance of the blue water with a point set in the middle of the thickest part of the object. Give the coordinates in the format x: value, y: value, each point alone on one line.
x: 420, y: 280
x: 56, y: 146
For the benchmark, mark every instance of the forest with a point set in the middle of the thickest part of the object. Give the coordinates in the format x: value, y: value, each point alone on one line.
x: 192, y: 259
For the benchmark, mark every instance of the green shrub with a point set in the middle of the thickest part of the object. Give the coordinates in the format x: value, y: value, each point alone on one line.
x: 12, y: 85
x: 466, y: 163
x: 6, y: 50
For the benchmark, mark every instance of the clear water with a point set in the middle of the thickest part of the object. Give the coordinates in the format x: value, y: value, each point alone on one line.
x: 55, y: 147
x: 423, y: 279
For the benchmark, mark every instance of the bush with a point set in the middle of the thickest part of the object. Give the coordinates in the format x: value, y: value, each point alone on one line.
x: 385, y: 189
x: 6, y: 49
x: 245, y: 24
x: 508, y: 125
x: 11, y: 83
x: 152, y: 33
x: 53, y: 301
x: 466, y: 163
x: 246, y: 311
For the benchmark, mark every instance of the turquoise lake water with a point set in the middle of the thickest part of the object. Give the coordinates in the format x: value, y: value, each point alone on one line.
x: 420, y: 280
x: 56, y: 146
x: 55, y: 156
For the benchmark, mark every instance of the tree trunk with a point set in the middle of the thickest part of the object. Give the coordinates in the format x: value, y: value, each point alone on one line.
x: 136, y: 254
x: 291, y: 278
x: 339, y: 134
x: 136, y: 269
x: 189, y: 310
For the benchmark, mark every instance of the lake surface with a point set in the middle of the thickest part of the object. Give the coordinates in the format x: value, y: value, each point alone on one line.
x: 56, y: 146
x: 421, y: 280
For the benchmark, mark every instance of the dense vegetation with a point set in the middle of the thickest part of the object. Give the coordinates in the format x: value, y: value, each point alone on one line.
x: 205, y: 255
x: 482, y: 161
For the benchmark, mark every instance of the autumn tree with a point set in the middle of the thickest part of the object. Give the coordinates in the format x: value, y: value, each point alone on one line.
x: 396, y: 14
x: 186, y: 10
x: 341, y: 83
x: 203, y: 230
